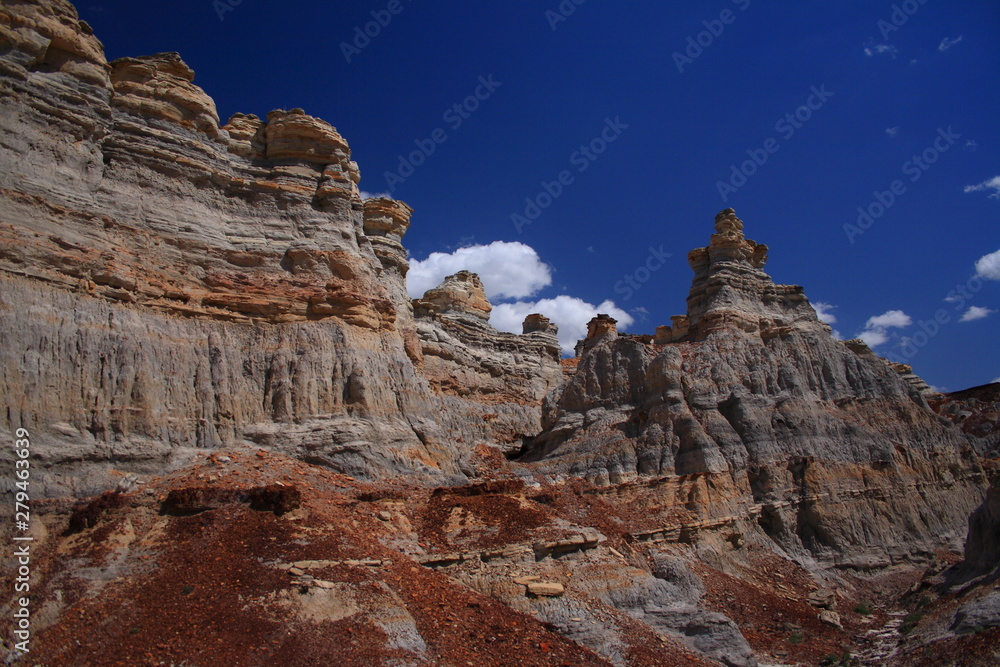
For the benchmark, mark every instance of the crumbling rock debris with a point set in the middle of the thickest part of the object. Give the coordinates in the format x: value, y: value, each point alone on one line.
x: 90, y: 513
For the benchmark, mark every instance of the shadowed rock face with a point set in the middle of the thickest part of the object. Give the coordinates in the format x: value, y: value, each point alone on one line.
x: 180, y: 285
x: 827, y: 446
x: 982, y: 550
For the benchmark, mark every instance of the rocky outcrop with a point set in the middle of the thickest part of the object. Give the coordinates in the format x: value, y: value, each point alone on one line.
x: 171, y: 287
x: 976, y: 411
x: 461, y: 294
x: 463, y: 355
x: 180, y: 285
x: 816, y: 442
x: 161, y: 87
x: 982, y: 549
x: 601, y: 328
x: 730, y: 289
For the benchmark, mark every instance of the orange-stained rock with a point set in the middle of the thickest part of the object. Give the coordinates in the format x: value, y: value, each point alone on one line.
x: 461, y: 293
x: 294, y: 135
x: 161, y: 86
x: 247, y: 136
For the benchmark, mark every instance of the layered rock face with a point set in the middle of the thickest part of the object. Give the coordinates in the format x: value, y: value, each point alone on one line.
x: 209, y: 320
x: 169, y: 284
x: 462, y: 355
x: 777, y: 426
x: 731, y: 290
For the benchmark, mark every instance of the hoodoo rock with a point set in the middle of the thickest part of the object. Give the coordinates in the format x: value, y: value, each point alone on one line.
x: 461, y: 294
x: 730, y: 288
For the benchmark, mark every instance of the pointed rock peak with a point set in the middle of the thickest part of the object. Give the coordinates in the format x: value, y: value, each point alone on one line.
x: 726, y: 222
x: 731, y: 290
x: 461, y: 293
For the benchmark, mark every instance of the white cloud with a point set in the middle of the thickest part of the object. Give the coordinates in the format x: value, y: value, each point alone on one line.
x: 890, y: 318
x: 876, y: 330
x: 873, y: 338
x: 879, y: 49
x: 823, y: 312
x: 971, y: 145
x: 996, y: 379
x: 947, y: 43
x: 569, y: 312
x: 892, y: 131
x: 988, y: 266
x: 975, y: 313
x: 508, y: 270
x: 824, y: 315
x: 375, y: 195
x: 989, y: 184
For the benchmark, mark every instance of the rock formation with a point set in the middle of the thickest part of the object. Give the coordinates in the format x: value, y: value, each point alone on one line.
x: 461, y: 354
x: 982, y: 550
x: 246, y: 437
x: 730, y: 289
x: 182, y: 285
x: 821, y: 444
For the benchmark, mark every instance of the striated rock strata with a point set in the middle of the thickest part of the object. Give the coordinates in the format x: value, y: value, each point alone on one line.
x: 170, y: 284
x: 822, y: 445
x: 207, y: 319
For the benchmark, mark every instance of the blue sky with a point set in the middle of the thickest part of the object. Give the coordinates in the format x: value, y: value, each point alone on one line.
x: 623, y: 123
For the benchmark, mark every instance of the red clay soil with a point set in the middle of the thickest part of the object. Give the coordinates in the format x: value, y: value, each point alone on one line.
x: 772, y: 614
x: 190, y: 575
x: 200, y: 589
x: 510, y: 521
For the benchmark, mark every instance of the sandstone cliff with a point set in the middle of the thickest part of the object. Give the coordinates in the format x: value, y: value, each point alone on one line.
x: 172, y: 285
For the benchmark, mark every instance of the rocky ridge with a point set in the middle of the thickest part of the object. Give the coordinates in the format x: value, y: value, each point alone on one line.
x: 143, y: 242
x: 207, y: 319
x: 821, y: 444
